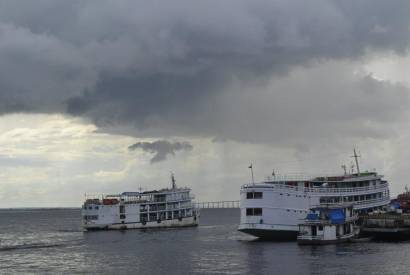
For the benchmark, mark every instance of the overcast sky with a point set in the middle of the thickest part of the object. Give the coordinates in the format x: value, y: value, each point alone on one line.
x: 104, y: 96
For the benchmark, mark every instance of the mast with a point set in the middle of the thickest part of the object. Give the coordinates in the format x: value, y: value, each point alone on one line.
x: 251, y: 167
x: 174, y: 185
x: 355, y: 156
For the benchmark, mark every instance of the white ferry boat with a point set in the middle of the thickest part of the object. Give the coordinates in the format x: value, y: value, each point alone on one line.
x: 273, y: 209
x: 170, y: 207
x: 328, y: 224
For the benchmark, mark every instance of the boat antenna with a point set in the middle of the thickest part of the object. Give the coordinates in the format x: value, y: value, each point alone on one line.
x: 174, y: 185
x: 251, y: 167
x: 344, y: 169
x: 355, y: 156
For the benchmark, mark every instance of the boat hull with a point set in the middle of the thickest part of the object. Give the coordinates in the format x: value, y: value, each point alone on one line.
x: 323, y: 242
x: 271, y: 235
x: 184, y: 222
x: 387, y: 234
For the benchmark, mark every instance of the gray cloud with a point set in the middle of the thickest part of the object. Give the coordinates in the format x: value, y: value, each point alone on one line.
x: 203, y: 69
x: 161, y: 148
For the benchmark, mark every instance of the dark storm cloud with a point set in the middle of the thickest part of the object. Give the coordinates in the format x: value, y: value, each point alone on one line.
x: 161, y: 148
x: 180, y: 67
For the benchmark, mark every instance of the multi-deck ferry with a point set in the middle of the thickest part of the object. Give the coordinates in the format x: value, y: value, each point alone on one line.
x: 273, y: 209
x: 170, y: 207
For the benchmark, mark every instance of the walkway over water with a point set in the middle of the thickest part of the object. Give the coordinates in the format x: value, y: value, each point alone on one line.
x: 218, y: 204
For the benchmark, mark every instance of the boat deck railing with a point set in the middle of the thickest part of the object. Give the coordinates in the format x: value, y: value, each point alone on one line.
x: 286, y: 187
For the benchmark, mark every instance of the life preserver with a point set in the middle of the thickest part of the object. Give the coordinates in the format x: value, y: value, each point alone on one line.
x: 144, y: 222
x: 179, y: 218
x: 159, y: 221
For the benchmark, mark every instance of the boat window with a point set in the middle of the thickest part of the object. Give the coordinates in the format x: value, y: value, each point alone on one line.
x: 320, y: 227
x: 253, y: 211
x: 90, y: 217
x: 257, y: 211
x: 254, y: 195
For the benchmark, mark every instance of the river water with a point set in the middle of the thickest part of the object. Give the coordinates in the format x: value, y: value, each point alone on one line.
x: 50, y: 241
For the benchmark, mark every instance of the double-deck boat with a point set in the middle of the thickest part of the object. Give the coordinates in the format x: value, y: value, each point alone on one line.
x: 327, y: 224
x: 273, y: 209
x: 169, y: 207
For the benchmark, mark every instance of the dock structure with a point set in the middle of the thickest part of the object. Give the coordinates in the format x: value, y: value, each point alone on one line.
x: 217, y: 204
x: 387, y: 226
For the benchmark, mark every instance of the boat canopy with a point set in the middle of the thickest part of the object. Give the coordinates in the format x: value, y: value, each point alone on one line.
x: 337, y: 216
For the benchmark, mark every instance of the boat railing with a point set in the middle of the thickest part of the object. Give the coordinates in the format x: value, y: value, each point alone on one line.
x: 330, y: 177
x: 358, y: 203
x: 372, y: 201
x: 309, y: 237
x: 321, y: 189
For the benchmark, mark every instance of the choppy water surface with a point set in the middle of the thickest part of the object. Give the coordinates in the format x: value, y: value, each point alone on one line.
x: 51, y: 241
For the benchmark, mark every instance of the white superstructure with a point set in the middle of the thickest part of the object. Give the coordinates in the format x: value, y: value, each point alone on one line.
x: 170, y: 207
x: 274, y: 208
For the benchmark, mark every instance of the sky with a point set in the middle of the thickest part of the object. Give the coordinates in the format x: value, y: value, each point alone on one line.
x: 103, y: 96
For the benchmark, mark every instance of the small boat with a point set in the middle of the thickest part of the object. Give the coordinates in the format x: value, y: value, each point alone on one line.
x: 168, y: 207
x: 326, y: 224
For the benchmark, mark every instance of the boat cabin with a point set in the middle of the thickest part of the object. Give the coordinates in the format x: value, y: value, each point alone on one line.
x: 328, y: 224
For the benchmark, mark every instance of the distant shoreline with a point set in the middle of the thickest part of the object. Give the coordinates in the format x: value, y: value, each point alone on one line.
x: 40, y: 208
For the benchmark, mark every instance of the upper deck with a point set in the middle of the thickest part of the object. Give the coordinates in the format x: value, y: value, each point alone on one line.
x: 148, y: 197
x: 362, y: 177
x: 363, y: 184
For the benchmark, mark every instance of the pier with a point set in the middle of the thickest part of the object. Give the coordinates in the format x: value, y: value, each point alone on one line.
x: 387, y: 226
x: 217, y: 204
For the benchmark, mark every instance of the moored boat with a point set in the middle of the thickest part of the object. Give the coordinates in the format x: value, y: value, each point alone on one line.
x: 328, y: 224
x: 169, y: 207
x: 272, y: 209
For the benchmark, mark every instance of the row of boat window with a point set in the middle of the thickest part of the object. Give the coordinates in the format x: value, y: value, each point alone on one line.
x: 163, y: 206
x: 171, y: 197
x: 169, y: 215
x: 351, y: 198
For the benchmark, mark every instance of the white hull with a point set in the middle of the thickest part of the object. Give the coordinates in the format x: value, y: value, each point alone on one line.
x: 184, y: 222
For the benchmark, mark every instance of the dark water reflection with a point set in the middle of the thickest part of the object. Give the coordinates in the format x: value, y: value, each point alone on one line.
x: 51, y: 241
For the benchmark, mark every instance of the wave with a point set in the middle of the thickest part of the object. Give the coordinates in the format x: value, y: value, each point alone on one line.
x: 71, y: 230
x: 29, y: 246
